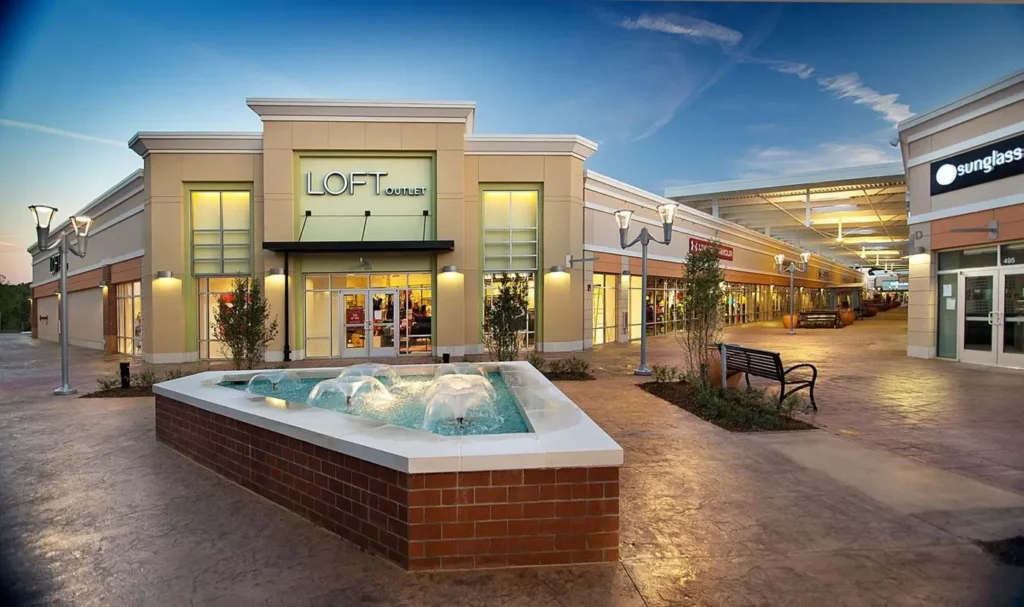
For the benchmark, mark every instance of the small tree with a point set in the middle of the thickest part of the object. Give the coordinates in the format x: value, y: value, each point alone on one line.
x: 241, y: 323
x: 702, y: 300
x: 505, y: 317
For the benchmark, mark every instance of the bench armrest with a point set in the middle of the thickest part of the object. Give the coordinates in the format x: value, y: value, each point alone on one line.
x: 814, y: 370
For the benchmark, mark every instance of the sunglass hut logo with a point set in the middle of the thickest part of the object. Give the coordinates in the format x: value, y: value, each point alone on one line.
x: 948, y: 173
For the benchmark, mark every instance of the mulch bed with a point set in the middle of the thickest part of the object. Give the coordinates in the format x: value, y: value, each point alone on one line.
x: 120, y: 393
x: 1009, y: 551
x: 684, y: 396
x: 569, y: 376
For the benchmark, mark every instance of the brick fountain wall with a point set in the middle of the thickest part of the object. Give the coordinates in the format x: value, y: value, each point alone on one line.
x: 465, y: 520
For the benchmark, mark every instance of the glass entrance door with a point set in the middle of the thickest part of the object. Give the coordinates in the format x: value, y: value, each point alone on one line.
x: 977, y: 318
x: 1010, y: 319
x: 369, y: 323
x: 353, y: 326
x: 383, y: 338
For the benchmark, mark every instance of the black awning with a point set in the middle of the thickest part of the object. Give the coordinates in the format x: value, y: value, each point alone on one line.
x: 375, y: 246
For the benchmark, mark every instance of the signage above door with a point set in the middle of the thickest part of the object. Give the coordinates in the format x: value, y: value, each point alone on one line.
x: 725, y: 253
x: 988, y: 163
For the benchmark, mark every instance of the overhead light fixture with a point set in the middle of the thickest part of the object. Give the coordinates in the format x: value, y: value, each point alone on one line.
x: 164, y: 274
x: 449, y: 269
x: 627, y: 273
x: 557, y: 270
x: 276, y: 272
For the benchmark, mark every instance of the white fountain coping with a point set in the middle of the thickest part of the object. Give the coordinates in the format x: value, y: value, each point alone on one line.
x: 562, y: 437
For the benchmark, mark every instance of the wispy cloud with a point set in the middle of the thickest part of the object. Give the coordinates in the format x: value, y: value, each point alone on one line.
x: 850, y: 85
x: 49, y: 130
x: 773, y: 161
x: 696, y: 30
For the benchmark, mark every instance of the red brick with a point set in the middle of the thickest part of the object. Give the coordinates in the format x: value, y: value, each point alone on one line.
x: 602, y: 507
x: 587, y: 491
x: 490, y: 495
x: 473, y: 546
x: 563, y: 509
x: 506, y: 544
x: 506, y: 477
x: 588, y: 524
x: 457, y: 496
x: 574, y: 541
x: 474, y: 513
x: 440, y: 481
x: 603, y: 474
x: 507, y: 511
x: 424, y: 564
x: 425, y: 497
x: 492, y: 528
x: 611, y: 490
x: 611, y: 523
x: 523, y: 527
x: 556, y: 492
x: 441, y: 548
x: 441, y: 514
x: 416, y: 515
x: 416, y: 481
x: 587, y: 556
x: 526, y: 559
x: 611, y: 555
x: 417, y: 549
x: 571, y: 475
x: 539, y: 477
x: 397, y: 494
x: 554, y: 558
x: 541, y: 543
x: 491, y: 561
x: 457, y: 562
x: 603, y: 540
x: 524, y: 493
x: 425, y: 532
x: 458, y: 530
x: 539, y: 510
x: 474, y: 479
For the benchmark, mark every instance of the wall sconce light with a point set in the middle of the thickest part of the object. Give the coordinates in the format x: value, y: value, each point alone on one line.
x: 164, y: 274
x: 627, y: 273
x: 557, y: 270
x: 448, y: 269
x: 103, y: 284
x: 276, y: 271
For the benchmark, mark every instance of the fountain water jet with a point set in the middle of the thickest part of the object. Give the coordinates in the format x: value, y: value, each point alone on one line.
x: 280, y: 381
x: 352, y: 389
x: 383, y: 373
x: 460, y: 400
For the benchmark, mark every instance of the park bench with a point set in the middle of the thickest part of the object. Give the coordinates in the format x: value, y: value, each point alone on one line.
x: 762, y: 363
x: 820, y: 318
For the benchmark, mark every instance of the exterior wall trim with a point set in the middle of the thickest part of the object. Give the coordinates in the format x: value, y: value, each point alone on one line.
x: 974, y: 207
x: 530, y: 145
x: 170, y: 357
x: 1003, y: 83
x: 96, y: 202
x: 101, y: 263
x: 968, y: 144
x: 145, y: 143
x: 987, y: 109
x: 341, y: 110
x: 562, y: 346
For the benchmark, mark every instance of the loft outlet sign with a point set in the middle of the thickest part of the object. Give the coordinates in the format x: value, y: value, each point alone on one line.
x: 341, y: 183
x: 995, y: 161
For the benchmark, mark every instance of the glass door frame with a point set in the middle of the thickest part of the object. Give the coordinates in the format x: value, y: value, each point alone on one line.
x: 977, y: 357
x: 367, y: 324
x: 1004, y: 359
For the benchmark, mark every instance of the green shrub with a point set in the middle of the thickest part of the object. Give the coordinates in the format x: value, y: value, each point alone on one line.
x: 174, y: 374
x: 538, y: 361
x: 556, y: 366
x: 746, y: 409
x: 108, y: 382
x: 143, y: 379
x: 664, y: 373
x: 575, y: 365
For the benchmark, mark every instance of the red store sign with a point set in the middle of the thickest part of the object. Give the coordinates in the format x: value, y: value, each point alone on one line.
x: 724, y: 252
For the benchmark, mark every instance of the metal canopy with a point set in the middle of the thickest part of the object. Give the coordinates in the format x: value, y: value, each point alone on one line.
x: 356, y: 246
x: 853, y: 216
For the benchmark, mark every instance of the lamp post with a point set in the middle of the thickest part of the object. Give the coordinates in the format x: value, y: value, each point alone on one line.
x: 793, y: 268
x: 667, y: 212
x: 79, y: 228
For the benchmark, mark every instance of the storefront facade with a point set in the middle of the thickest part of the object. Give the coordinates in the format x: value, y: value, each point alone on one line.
x: 965, y: 171
x: 382, y: 230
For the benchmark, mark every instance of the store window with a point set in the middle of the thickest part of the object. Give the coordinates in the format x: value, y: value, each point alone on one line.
x: 216, y: 294
x: 323, y: 294
x: 637, y: 311
x: 664, y: 305
x: 511, y: 245
x: 603, y: 310
x: 968, y: 258
x: 129, y: 318
x: 221, y: 233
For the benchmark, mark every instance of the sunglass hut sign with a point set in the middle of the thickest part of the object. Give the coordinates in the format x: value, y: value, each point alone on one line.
x: 996, y: 161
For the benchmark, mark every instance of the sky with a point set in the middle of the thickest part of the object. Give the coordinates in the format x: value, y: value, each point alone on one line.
x: 673, y: 93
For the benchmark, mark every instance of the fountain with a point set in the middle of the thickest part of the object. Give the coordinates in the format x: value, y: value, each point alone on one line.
x: 460, y: 400
x: 352, y: 389
x: 383, y: 373
x: 279, y: 381
x: 459, y: 369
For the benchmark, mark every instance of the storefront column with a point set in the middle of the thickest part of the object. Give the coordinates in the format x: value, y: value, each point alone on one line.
x: 274, y: 290
x: 450, y: 311
x: 109, y: 313
x: 921, y: 309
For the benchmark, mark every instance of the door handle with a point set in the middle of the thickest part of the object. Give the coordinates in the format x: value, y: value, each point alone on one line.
x: 990, y: 323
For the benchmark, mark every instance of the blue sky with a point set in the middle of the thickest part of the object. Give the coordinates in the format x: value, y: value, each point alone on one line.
x: 673, y: 92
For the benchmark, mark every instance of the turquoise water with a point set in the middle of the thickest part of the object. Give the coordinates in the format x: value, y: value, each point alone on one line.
x: 406, y: 407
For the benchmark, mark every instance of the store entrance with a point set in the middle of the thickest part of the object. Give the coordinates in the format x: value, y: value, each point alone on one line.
x: 991, y: 326
x: 369, y: 323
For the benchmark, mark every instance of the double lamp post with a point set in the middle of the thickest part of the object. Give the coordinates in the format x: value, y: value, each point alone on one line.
x: 792, y: 268
x: 78, y: 227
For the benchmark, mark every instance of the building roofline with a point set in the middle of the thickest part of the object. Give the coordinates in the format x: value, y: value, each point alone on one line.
x: 869, y: 172
x: 114, y: 190
x: 144, y: 143
x: 993, y: 87
x: 356, y: 110
x: 553, y: 145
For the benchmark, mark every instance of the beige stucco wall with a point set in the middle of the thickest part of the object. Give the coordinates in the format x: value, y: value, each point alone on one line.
x: 169, y: 305
x: 48, y: 307
x: 921, y: 307
x: 85, y: 318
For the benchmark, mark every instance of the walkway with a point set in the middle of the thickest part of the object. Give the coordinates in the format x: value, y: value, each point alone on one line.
x: 959, y: 417
x: 95, y: 512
